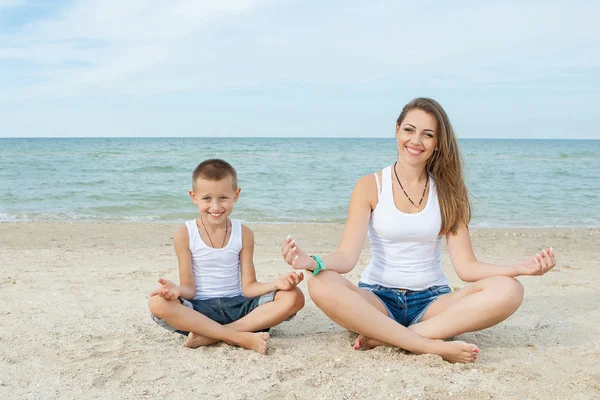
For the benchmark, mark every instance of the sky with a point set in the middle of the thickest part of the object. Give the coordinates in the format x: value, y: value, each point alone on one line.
x: 247, y: 68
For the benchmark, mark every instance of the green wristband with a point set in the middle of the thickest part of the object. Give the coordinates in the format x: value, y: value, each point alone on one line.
x: 320, y: 265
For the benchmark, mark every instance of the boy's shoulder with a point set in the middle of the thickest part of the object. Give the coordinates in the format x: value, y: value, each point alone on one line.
x: 181, y: 234
x: 246, y: 230
x: 247, y: 236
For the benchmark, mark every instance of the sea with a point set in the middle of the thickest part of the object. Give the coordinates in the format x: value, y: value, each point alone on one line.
x: 513, y: 183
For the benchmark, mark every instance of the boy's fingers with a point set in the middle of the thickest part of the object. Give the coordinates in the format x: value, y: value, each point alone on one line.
x: 162, y: 280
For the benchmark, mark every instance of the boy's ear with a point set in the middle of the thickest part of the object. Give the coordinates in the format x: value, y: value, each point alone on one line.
x: 237, y: 194
x: 193, y: 196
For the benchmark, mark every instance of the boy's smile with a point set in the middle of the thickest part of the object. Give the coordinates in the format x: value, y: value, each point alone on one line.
x: 214, y: 199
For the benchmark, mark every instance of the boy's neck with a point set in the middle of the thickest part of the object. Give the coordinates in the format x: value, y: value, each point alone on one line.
x: 212, y: 227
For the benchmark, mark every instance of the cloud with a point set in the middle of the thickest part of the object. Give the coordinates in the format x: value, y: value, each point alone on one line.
x: 201, y: 62
x: 10, y: 3
x: 142, y: 48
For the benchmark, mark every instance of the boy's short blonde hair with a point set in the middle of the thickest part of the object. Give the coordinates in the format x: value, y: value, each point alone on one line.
x: 214, y: 170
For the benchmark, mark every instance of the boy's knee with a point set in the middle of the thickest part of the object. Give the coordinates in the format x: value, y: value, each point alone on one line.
x: 292, y: 299
x: 159, y: 306
x: 298, y: 299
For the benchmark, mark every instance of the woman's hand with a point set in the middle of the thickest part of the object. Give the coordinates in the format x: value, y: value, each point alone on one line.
x: 538, y: 265
x: 295, y: 256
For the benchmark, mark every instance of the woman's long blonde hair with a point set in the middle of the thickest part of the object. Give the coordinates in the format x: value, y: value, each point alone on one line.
x: 445, y: 165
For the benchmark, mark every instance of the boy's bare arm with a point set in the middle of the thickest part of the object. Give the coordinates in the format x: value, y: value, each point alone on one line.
x: 250, y: 287
x: 187, y: 284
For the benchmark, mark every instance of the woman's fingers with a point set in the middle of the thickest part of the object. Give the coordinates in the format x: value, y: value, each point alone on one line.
x: 291, y: 255
x: 548, y: 260
x: 285, y: 243
x: 540, y: 264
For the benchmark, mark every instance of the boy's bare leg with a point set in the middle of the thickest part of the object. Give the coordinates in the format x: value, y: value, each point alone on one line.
x: 285, y: 304
x: 346, y: 305
x: 186, y: 319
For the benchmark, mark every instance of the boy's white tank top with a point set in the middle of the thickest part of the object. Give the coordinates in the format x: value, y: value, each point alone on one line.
x: 216, y: 271
x: 405, y: 248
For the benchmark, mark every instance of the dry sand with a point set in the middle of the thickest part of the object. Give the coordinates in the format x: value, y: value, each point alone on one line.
x: 74, y: 324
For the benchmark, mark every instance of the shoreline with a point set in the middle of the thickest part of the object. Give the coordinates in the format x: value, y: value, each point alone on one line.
x: 255, y: 223
x: 74, y: 323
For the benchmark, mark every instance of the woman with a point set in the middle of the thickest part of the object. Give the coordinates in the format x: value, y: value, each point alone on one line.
x: 403, y: 298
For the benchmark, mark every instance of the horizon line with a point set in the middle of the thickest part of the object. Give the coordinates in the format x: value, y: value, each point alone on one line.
x: 269, y: 137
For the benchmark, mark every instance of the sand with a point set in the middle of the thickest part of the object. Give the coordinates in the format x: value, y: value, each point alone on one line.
x: 74, y: 324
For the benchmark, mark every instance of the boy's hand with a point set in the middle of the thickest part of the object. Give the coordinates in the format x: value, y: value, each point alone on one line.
x: 168, y: 290
x: 295, y: 256
x: 289, y: 281
x: 538, y: 265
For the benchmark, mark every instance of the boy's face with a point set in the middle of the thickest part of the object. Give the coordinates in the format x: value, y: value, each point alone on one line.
x: 214, y: 199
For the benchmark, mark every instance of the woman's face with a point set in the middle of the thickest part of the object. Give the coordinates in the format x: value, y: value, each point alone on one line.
x: 417, y: 137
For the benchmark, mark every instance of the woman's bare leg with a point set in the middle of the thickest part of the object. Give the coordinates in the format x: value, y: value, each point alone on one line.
x: 344, y: 303
x: 478, y: 306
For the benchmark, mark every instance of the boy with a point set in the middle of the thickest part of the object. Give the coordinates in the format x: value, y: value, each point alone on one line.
x: 218, y: 298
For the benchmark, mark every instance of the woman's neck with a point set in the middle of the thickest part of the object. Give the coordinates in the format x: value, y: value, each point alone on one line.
x: 411, y: 173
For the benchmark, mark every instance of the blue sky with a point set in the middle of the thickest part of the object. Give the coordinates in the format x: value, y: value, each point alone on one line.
x: 520, y: 69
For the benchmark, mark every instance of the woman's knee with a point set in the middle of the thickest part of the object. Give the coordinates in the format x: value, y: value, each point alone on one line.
x: 509, y: 290
x: 320, y: 287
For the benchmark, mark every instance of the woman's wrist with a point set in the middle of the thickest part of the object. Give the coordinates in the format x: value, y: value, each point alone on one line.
x: 320, y: 265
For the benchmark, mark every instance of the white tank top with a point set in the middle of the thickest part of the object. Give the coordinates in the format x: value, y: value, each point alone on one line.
x: 216, y: 271
x: 405, y: 248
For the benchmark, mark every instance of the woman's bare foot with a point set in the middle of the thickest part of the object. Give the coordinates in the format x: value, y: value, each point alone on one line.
x: 194, y: 341
x: 455, y: 351
x: 255, y: 341
x: 366, y: 343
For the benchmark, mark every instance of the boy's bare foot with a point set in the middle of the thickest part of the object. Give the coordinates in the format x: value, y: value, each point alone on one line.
x: 365, y: 343
x: 256, y: 342
x: 247, y: 340
x: 455, y: 351
x: 194, y: 341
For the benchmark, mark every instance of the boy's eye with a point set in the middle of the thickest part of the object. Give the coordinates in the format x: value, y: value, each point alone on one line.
x: 206, y: 198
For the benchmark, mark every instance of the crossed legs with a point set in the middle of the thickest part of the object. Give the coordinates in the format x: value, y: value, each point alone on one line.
x: 478, y: 306
x: 204, y: 331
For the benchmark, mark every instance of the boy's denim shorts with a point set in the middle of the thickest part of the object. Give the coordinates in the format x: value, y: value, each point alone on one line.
x: 223, y: 310
x: 406, y: 307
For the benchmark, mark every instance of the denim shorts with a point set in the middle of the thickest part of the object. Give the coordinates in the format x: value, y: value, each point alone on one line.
x: 223, y: 310
x: 406, y: 307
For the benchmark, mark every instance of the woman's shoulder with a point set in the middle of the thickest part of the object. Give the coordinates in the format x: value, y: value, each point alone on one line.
x: 367, y: 187
x: 370, y: 180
